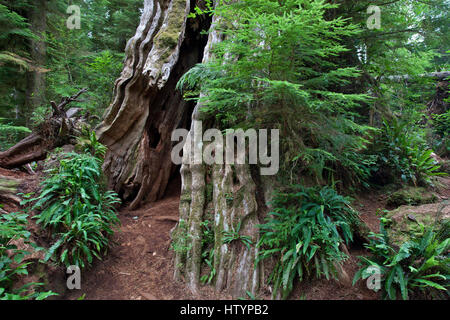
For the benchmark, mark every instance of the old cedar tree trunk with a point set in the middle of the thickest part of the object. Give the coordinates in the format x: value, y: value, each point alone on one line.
x: 137, y: 129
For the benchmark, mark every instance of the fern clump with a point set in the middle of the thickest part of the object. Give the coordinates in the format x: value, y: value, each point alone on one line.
x: 419, y: 268
x: 403, y: 155
x: 74, y: 205
x: 304, y: 233
x: 13, y: 226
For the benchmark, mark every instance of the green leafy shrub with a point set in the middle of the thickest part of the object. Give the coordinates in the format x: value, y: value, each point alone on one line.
x: 419, y: 268
x: 403, y: 154
x: 13, y: 227
x: 74, y: 205
x: 304, y: 232
x: 285, y: 78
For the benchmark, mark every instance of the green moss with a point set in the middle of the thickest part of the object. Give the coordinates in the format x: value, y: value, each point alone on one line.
x: 407, y: 222
x: 8, y: 186
x: 185, y: 198
x: 411, y: 196
x: 167, y: 38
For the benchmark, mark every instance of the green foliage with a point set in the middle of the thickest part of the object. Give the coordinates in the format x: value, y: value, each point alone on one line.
x: 13, y: 227
x: 278, y: 68
x: 441, y: 126
x: 403, y: 154
x: 208, y: 258
x: 208, y: 251
x: 441, y: 123
x: 10, y: 134
x: 180, y: 243
x: 420, y: 268
x: 233, y: 235
x: 87, y: 143
x: 304, y: 232
x: 75, y: 207
x: 207, y: 8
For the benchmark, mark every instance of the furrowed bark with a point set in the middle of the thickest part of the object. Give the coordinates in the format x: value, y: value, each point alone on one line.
x: 234, y: 204
x: 146, y: 109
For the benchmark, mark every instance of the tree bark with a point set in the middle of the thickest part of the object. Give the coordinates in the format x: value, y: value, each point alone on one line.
x: 137, y: 130
x: 138, y: 125
x: 38, y: 53
x: 233, y: 208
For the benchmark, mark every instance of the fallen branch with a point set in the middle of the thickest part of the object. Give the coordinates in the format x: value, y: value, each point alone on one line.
x: 437, y: 75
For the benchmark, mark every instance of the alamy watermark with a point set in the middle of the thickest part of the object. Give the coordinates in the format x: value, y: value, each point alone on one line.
x: 374, y: 21
x: 233, y: 151
x: 74, y: 21
x: 374, y: 278
x: 74, y: 281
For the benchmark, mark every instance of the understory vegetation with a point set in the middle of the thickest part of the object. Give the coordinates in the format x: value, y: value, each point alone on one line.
x: 13, y: 228
x: 76, y: 208
x: 419, y: 268
x: 76, y: 211
x: 306, y: 231
x: 346, y: 121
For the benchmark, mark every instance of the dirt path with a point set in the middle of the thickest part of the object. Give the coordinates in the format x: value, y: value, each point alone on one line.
x: 139, y: 266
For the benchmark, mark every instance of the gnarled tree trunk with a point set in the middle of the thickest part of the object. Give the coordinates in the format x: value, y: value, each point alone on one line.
x: 146, y: 109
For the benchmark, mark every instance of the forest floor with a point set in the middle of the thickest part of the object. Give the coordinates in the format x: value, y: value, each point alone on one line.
x: 139, y: 266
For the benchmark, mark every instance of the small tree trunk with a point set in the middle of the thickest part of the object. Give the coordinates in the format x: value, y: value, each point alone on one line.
x: 38, y: 54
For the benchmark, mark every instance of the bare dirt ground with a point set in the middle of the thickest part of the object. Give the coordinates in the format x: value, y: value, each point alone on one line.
x: 140, y: 265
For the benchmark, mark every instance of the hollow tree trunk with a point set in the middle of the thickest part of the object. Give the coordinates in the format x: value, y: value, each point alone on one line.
x: 146, y: 109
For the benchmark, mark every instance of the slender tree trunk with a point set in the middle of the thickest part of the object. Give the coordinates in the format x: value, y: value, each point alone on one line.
x: 38, y: 54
